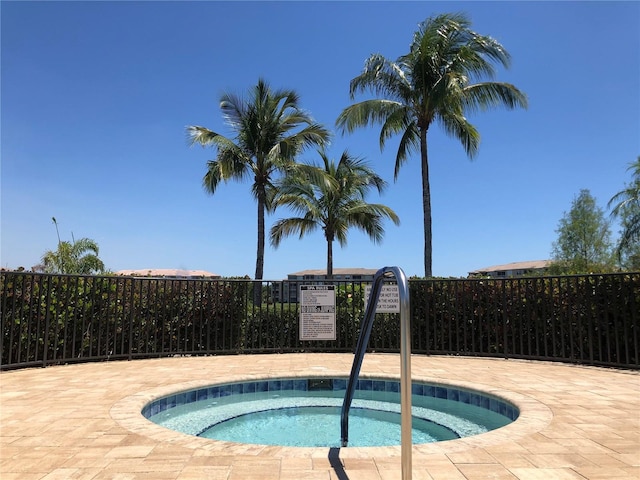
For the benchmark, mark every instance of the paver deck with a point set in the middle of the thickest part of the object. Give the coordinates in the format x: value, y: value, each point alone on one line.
x: 84, y: 422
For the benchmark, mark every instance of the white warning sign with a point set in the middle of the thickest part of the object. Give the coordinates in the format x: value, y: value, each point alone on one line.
x: 388, y: 301
x: 317, y: 312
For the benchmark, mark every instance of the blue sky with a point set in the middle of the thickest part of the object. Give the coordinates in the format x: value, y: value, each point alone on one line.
x: 96, y: 97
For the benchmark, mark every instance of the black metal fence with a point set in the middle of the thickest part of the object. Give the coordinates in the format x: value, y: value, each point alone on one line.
x: 53, y: 319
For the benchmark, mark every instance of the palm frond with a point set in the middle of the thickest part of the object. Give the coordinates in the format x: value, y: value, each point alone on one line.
x: 481, y: 96
x: 457, y: 126
x: 290, y: 226
x: 630, y: 194
x: 409, y: 142
x: 230, y: 165
x: 623, y: 199
x: 200, y: 135
x: 367, y: 112
x: 397, y: 119
x: 234, y: 110
x: 382, y: 77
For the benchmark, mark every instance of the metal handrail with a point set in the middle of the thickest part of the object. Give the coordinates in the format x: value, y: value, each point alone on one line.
x: 405, y: 363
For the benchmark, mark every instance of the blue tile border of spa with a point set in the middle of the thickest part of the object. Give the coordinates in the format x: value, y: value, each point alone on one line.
x: 455, y: 394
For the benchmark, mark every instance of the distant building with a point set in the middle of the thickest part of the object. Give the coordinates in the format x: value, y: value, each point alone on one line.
x: 515, y: 269
x: 287, y: 290
x: 168, y: 273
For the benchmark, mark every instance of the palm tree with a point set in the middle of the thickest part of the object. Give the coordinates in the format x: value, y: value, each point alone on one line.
x: 627, y: 207
x: 270, y: 131
x: 433, y: 82
x: 77, y: 257
x: 331, y: 196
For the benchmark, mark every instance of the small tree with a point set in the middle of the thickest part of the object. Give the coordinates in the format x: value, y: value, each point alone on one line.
x: 75, y: 257
x: 583, y: 244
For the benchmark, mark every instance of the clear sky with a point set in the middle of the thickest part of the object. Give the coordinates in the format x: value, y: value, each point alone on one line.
x: 96, y: 97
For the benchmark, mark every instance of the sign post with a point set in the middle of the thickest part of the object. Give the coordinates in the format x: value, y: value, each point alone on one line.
x: 317, y: 312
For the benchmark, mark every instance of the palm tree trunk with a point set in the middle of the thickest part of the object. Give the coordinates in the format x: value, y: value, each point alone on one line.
x: 260, y: 252
x: 426, y: 204
x: 329, y: 259
x: 257, y: 286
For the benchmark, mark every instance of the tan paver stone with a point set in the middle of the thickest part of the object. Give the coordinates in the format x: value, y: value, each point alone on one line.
x: 584, y: 446
x: 511, y: 460
x: 90, y: 452
x: 558, y: 461
x: 431, y: 460
x: 155, y: 476
x: 445, y: 473
x: 633, y: 472
x: 160, y: 465
x: 130, y: 451
x: 114, y: 475
x: 253, y: 473
x: 471, y: 456
x: 632, y: 459
x: 621, y: 446
x: 203, y: 472
x: 485, y: 472
x: 359, y: 464
x: 506, y: 448
x: 260, y: 463
x: 604, y: 473
x: 538, y: 447
x: 84, y: 422
x: 296, y: 463
x: 300, y: 474
x: 604, y: 460
x: 87, y: 462
x: 206, y: 459
x: 22, y: 476
x: 417, y: 474
x: 168, y: 452
x: 546, y: 474
x: 108, y: 440
x: 72, y: 474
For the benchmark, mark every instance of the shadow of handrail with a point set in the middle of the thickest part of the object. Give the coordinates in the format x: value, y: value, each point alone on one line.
x: 336, y: 463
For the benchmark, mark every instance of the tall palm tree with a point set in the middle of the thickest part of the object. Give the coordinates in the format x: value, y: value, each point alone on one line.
x: 432, y: 83
x: 331, y: 196
x: 77, y: 257
x: 626, y: 205
x: 270, y: 130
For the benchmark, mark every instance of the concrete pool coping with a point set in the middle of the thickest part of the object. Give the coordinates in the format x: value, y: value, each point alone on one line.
x: 84, y: 422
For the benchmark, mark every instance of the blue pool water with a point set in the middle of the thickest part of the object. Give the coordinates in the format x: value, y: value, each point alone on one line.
x: 306, y: 412
x: 284, y: 426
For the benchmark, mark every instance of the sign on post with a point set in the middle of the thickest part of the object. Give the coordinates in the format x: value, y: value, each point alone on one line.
x: 317, y: 312
x: 388, y: 301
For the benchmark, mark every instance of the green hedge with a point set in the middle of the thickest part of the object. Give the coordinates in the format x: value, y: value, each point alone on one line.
x: 48, y: 319
x: 591, y: 319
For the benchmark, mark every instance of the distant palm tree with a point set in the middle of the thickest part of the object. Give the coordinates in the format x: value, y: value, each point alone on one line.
x: 77, y: 257
x: 433, y: 82
x: 626, y: 205
x: 270, y: 131
x: 331, y: 196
